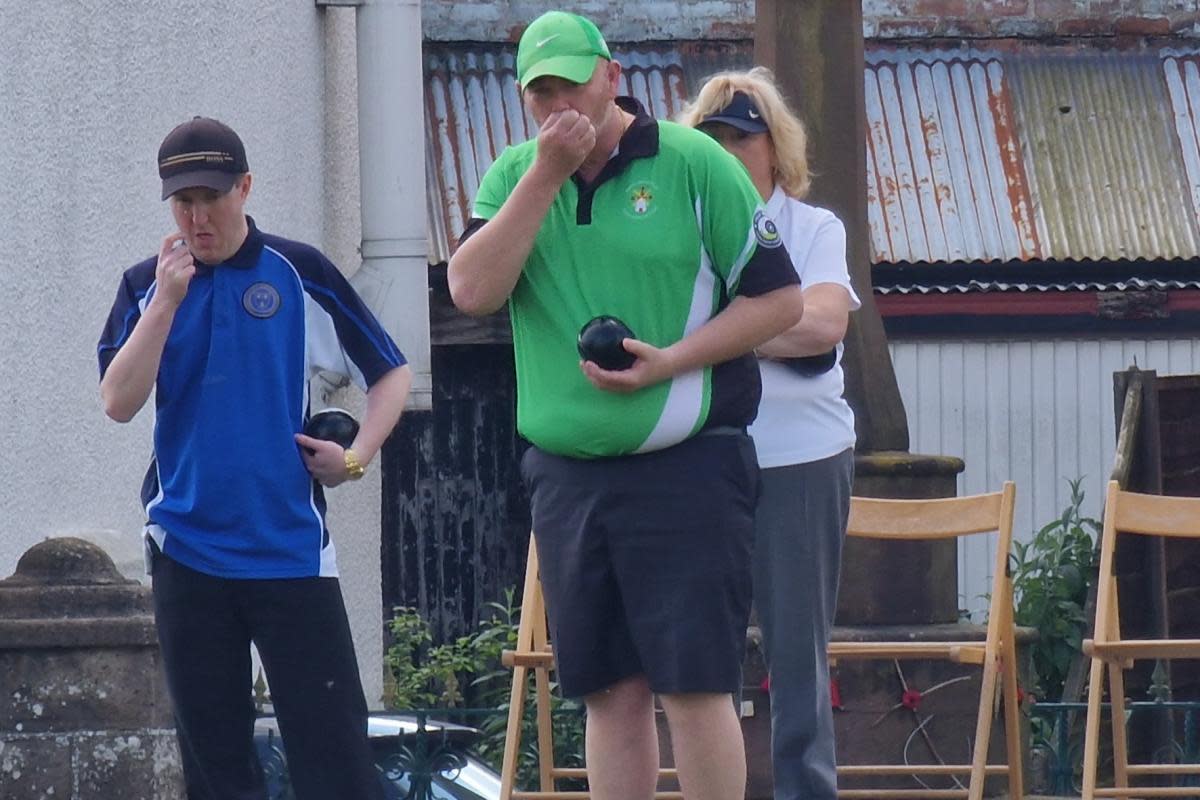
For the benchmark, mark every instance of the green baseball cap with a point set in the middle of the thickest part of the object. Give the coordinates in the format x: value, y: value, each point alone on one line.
x: 560, y: 44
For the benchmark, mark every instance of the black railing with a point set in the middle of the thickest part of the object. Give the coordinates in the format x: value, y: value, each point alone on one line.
x: 1060, y: 742
x: 428, y: 754
x: 420, y: 764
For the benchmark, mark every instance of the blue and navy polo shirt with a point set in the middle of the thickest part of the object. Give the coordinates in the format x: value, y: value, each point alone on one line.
x: 227, y: 493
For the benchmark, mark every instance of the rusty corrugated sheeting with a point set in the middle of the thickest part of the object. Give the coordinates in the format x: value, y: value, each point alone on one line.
x: 1107, y: 169
x: 945, y: 177
x: 472, y: 112
x: 1030, y: 153
x: 1182, y: 72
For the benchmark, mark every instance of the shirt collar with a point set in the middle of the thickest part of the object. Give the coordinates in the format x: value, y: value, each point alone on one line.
x: 776, y: 202
x: 640, y: 140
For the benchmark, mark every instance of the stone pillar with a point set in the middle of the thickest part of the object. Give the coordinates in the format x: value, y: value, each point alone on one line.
x: 84, y: 712
x: 921, y: 583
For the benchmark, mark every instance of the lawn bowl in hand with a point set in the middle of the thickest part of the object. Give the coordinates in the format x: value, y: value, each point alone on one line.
x: 600, y: 342
x: 333, y: 425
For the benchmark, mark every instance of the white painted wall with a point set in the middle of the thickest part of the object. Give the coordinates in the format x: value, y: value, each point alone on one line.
x: 88, y: 88
x: 1034, y: 412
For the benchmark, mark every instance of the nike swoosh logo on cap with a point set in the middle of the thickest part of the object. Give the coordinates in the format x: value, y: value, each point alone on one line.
x: 753, y: 114
x: 547, y: 40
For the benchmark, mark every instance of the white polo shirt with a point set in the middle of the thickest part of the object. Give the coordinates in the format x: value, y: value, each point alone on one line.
x: 805, y: 419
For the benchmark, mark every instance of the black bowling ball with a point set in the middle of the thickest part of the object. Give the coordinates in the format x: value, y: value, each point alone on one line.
x: 332, y: 425
x: 600, y: 342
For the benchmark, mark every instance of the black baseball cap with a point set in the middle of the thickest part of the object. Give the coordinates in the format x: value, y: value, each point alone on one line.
x: 201, y: 152
x: 742, y: 113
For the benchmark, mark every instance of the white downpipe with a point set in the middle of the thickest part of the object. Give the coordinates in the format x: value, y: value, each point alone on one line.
x: 393, y: 278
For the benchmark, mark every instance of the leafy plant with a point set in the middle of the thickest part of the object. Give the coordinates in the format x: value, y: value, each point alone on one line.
x: 467, y: 673
x: 425, y: 675
x: 567, y: 726
x: 1051, y: 576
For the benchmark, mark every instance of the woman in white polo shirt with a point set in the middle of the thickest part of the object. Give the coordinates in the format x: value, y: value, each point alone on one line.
x: 804, y: 433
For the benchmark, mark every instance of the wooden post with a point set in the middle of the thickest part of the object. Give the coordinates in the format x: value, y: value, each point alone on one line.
x: 1144, y: 465
x: 815, y: 48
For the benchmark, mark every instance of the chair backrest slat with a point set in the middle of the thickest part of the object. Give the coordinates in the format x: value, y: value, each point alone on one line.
x: 1157, y: 515
x: 943, y: 518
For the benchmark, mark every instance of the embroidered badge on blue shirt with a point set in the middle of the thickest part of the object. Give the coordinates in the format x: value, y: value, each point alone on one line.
x: 261, y: 300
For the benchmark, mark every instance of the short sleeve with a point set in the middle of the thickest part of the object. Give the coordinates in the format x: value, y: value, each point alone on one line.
x: 745, y: 247
x: 494, y: 188
x: 342, y: 335
x: 823, y: 260
x: 126, y: 310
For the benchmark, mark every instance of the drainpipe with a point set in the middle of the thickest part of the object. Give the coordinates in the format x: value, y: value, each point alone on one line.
x: 393, y: 278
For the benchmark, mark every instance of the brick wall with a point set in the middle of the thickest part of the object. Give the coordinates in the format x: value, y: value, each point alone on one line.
x: 621, y: 20
x: 641, y: 20
x: 902, y: 19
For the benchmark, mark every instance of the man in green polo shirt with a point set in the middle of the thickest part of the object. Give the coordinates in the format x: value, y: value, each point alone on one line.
x: 642, y: 481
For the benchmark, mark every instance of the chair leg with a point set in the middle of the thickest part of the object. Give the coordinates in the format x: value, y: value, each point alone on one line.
x: 512, y: 734
x: 1091, y: 737
x: 983, y: 729
x: 1012, y: 719
x: 1116, y: 691
x: 545, y: 730
x: 541, y: 676
x: 533, y: 618
x: 1116, y: 695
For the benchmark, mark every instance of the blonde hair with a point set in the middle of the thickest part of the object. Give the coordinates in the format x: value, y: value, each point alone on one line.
x: 786, y: 129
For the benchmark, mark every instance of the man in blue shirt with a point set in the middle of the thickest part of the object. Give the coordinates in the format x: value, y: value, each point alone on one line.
x: 227, y: 325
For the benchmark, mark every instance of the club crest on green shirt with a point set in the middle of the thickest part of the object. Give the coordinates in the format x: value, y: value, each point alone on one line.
x: 640, y: 199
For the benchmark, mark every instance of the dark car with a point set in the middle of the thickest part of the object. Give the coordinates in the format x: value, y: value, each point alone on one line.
x: 415, y: 761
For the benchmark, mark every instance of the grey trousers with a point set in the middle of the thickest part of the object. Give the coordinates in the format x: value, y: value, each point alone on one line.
x: 799, y: 529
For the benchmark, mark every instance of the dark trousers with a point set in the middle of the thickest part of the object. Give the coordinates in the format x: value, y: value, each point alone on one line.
x: 205, y: 627
x: 799, y: 530
x: 645, y: 563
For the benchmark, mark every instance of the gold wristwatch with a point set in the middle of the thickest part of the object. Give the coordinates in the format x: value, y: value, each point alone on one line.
x: 354, y: 469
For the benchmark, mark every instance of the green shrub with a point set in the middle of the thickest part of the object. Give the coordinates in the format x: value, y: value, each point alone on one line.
x: 467, y: 673
x: 449, y: 675
x: 1051, y: 576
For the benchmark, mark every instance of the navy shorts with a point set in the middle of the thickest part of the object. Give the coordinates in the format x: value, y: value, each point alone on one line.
x: 645, y: 563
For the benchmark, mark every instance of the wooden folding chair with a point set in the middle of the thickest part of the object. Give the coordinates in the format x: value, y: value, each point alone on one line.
x: 945, y: 519
x: 1146, y: 515
x: 533, y: 652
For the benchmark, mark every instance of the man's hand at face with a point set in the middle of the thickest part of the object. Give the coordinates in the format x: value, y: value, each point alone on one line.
x: 174, y: 271
x: 325, y: 460
x: 564, y: 141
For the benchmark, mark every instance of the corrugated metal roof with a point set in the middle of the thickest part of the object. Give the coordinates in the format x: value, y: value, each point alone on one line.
x: 945, y: 177
x: 971, y: 155
x: 1131, y: 284
x: 472, y: 112
x: 1182, y: 75
x: 1108, y: 173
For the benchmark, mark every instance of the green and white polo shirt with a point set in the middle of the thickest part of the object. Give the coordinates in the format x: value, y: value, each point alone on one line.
x: 670, y: 230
